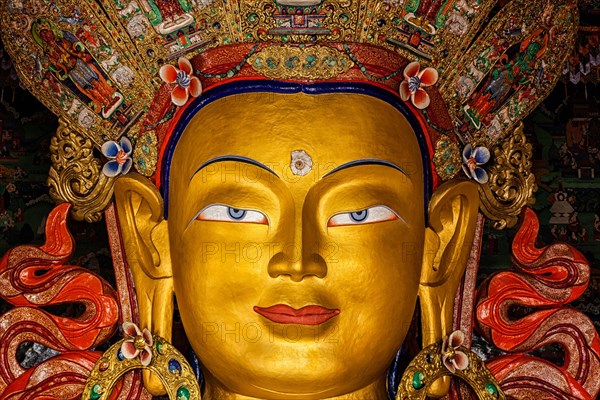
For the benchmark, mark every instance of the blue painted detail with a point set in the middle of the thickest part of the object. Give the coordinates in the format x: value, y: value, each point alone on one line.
x: 394, y: 375
x: 196, y: 367
x: 241, y: 87
x: 174, y: 367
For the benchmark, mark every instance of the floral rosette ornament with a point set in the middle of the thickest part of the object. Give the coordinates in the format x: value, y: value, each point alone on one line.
x: 452, y: 358
x: 138, y: 343
x: 186, y: 84
x: 414, y: 81
x: 119, y: 155
x: 473, y: 158
x: 301, y: 163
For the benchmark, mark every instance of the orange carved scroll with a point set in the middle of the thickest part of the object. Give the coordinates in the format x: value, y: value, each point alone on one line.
x: 33, y: 277
x: 545, y: 280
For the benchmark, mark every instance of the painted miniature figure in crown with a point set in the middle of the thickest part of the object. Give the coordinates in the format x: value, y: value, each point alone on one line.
x: 307, y: 180
x: 68, y: 60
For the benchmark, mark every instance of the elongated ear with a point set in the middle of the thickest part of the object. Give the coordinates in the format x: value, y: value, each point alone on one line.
x: 448, y: 240
x: 146, y: 241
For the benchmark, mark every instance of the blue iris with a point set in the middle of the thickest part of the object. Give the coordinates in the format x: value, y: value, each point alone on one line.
x: 359, y: 216
x: 236, y: 213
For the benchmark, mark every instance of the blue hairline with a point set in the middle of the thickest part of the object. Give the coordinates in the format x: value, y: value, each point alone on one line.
x: 241, y: 87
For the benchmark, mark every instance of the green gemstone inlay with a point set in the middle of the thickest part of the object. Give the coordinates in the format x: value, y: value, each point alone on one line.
x: 95, y: 392
x: 491, y: 389
x: 417, y: 381
x: 183, y: 393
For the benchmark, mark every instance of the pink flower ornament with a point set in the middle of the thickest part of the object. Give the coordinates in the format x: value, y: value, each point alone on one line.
x: 138, y: 343
x: 414, y: 81
x: 452, y: 358
x: 186, y: 83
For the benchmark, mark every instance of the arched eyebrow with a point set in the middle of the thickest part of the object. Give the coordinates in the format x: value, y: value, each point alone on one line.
x: 365, y: 161
x: 234, y: 158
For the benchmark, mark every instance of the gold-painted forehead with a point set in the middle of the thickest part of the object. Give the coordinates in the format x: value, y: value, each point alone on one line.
x: 333, y: 129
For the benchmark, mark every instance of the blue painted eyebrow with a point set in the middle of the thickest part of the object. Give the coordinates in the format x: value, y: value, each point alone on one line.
x: 365, y: 161
x: 234, y: 158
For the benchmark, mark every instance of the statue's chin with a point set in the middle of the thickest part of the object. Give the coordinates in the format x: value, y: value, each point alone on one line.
x: 286, y: 387
x: 282, y: 380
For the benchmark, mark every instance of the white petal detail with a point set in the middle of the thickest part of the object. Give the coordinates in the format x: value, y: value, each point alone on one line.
x: 456, y: 339
x: 460, y: 360
x: 147, y: 337
x: 131, y: 330
x: 129, y: 350
x: 146, y: 356
x: 448, y: 364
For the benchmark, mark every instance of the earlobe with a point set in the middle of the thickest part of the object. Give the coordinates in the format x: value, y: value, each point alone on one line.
x: 146, y: 241
x: 448, y: 239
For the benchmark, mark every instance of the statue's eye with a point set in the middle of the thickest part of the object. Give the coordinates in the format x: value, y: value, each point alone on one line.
x: 366, y: 216
x: 229, y: 214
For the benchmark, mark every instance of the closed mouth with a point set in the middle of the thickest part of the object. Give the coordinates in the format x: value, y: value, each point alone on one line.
x: 308, y: 315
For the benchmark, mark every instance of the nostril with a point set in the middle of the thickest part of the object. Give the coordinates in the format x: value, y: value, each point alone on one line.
x: 315, y: 265
x: 282, y: 264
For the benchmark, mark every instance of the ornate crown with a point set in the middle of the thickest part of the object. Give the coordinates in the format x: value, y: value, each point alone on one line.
x: 471, y: 70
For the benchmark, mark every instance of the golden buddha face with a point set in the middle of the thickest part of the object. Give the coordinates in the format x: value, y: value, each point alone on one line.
x: 294, y: 286
x: 296, y: 245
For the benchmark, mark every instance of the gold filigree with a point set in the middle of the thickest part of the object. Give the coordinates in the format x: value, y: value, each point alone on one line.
x: 447, y: 159
x: 167, y: 363
x: 427, y: 367
x: 311, y: 62
x: 76, y: 176
x: 511, y: 184
x: 145, y: 155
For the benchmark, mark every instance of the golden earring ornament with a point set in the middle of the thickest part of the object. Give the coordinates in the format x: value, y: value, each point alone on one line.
x: 142, y: 350
x: 448, y: 358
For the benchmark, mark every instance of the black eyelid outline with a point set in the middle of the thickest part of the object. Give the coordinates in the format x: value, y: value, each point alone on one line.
x: 376, y: 205
x: 223, y: 205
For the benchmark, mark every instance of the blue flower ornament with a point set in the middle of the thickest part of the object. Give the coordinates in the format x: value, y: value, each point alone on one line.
x: 473, y: 158
x: 119, y: 155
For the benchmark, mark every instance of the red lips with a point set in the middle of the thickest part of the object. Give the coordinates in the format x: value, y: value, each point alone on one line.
x: 308, y: 315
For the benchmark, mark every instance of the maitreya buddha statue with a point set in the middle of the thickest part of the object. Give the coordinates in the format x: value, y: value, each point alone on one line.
x: 298, y: 175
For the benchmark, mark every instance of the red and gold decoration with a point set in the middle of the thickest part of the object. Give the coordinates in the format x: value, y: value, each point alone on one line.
x: 127, y: 77
x: 34, y: 277
x: 544, y: 281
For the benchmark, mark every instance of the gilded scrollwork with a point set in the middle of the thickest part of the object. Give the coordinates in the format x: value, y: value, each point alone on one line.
x: 166, y: 362
x: 511, y: 183
x: 76, y: 175
x: 313, y: 62
x: 428, y: 366
x: 447, y: 158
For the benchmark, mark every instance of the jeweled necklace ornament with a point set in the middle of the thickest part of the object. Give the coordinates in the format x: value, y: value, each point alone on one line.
x: 142, y: 350
x: 449, y: 358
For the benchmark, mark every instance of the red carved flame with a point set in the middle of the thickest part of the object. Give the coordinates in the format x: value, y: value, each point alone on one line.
x: 35, y: 276
x: 547, y: 279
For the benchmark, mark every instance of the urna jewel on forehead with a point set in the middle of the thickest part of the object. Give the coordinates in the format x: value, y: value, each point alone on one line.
x: 115, y: 68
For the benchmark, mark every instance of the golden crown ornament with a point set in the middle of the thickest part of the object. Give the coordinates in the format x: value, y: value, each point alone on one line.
x: 473, y: 69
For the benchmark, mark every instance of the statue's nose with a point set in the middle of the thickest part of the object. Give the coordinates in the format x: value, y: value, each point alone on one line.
x: 297, y: 264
